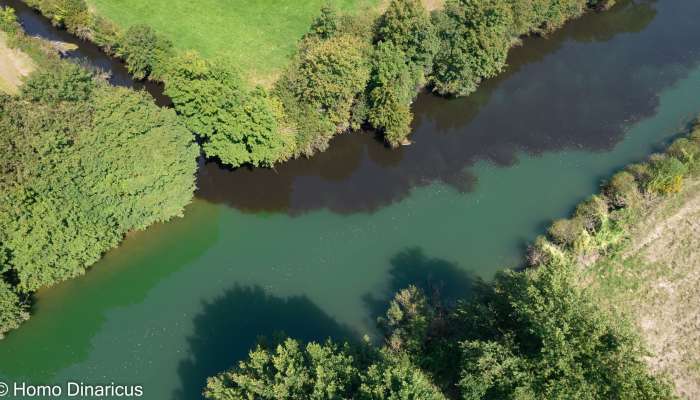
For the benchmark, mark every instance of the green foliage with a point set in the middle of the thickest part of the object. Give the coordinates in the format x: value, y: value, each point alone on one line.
x: 60, y: 82
x: 71, y: 14
x: 391, y: 90
x: 238, y: 127
x: 146, y: 53
x: 321, y: 372
x: 326, y: 78
x: 566, y: 232
x: 82, y: 173
x: 314, y: 372
x: 622, y: 190
x: 397, y: 378
x: 8, y: 20
x: 407, y: 321
x: 326, y: 24
x: 475, y: 40
x: 535, y: 335
x: 665, y: 175
x: 593, y: 213
x: 12, y: 310
x: 407, y: 25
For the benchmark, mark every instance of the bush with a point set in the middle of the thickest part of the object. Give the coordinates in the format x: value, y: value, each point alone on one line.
x: 63, y: 81
x: 665, y: 175
x: 12, y: 310
x: 593, y: 213
x: 326, y: 24
x: 622, y: 190
x: 475, y: 39
x: 566, y: 232
x: 8, y: 20
x: 685, y: 150
x: 146, y: 53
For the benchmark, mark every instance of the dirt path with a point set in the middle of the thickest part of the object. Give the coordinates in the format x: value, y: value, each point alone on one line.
x: 14, y: 65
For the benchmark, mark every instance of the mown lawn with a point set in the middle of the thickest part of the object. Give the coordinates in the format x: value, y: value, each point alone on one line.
x: 258, y: 36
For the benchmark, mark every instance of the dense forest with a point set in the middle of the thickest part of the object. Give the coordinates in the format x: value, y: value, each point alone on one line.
x: 83, y: 164
x: 532, y: 334
x: 349, y: 71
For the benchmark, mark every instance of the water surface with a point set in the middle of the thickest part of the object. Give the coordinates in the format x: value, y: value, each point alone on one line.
x: 316, y: 247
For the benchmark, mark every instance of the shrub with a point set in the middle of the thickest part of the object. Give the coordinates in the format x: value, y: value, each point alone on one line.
x: 685, y: 150
x: 593, y: 213
x: 326, y: 24
x: 8, y: 20
x: 475, y: 38
x: 63, y: 81
x: 146, y: 53
x: 13, y: 311
x: 622, y: 190
x: 565, y: 232
x: 665, y: 174
x: 544, y: 252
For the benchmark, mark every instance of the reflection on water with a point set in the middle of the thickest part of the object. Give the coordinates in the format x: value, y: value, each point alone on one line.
x: 577, y: 97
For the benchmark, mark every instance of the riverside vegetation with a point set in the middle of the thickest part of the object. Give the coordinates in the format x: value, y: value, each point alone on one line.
x: 83, y: 164
x: 69, y: 194
x: 349, y: 71
x: 552, y: 331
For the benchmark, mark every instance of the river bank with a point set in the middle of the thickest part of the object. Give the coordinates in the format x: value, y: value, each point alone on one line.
x: 316, y: 247
x: 653, y: 280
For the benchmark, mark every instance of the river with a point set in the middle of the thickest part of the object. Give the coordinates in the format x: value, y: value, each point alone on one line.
x: 316, y: 247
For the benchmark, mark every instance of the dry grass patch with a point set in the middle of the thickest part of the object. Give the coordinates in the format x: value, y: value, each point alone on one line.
x: 655, y: 280
x: 14, y: 66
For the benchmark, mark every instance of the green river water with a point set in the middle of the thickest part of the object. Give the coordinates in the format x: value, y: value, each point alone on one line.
x: 316, y: 248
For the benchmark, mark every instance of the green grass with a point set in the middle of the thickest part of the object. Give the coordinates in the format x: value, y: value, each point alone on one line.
x: 257, y: 36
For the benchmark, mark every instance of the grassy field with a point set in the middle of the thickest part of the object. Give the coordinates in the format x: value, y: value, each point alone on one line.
x: 258, y: 36
x: 14, y: 65
x: 655, y: 281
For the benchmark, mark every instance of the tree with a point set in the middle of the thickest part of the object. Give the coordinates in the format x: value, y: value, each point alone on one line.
x: 326, y: 24
x: 84, y: 172
x: 407, y: 24
x: 291, y: 371
x: 391, y: 90
x: 146, y: 53
x: 534, y: 335
x: 397, y: 378
x: 321, y: 86
x: 238, y: 127
x: 475, y: 39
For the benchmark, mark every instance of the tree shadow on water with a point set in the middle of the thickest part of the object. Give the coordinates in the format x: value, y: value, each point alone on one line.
x: 436, y: 277
x: 228, y: 327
